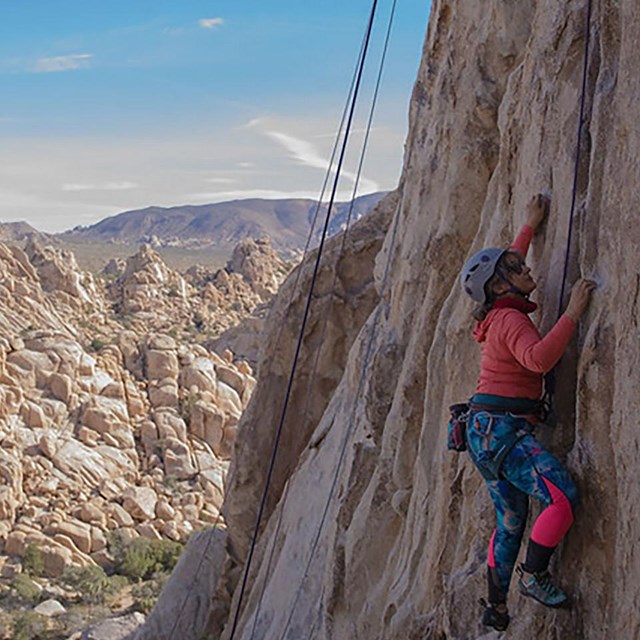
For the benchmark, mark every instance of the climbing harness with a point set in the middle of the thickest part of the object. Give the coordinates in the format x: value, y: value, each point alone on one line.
x: 490, y: 464
x: 521, y: 416
x: 462, y: 413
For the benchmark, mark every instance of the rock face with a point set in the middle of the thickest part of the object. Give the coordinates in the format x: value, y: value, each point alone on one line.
x: 121, y: 628
x: 182, y: 611
x: 381, y: 533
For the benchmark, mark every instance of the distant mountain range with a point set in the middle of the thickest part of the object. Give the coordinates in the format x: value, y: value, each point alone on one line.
x: 286, y: 222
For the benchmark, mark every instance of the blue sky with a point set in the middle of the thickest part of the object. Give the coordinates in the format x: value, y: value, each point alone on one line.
x: 112, y: 105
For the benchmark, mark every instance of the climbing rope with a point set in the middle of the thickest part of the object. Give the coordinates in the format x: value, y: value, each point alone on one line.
x: 550, y: 378
x: 574, y: 194
x: 278, y: 335
x: 351, y: 420
x: 327, y: 313
x: 304, y: 319
x: 379, y: 310
x: 329, y: 168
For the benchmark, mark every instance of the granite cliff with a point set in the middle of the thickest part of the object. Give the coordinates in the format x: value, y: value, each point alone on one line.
x: 372, y: 529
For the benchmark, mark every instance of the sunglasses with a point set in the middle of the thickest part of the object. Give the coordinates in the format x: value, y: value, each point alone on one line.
x: 513, y: 263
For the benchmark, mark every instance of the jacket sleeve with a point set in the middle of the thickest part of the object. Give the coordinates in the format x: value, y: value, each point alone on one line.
x: 528, y: 348
x: 521, y: 243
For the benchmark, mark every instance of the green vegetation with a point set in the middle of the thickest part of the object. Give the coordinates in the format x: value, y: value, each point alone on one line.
x: 97, y: 344
x: 88, y: 593
x: 28, y: 625
x: 146, y: 594
x: 32, y: 561
x: 186, y: 405
x: 143, y: 559
x: 26, y: 588
x: 93, y: 583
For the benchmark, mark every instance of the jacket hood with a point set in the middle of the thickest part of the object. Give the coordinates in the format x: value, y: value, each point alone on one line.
x: 482, y: 327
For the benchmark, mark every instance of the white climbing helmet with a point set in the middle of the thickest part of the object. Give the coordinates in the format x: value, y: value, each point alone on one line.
x: 478, y: 270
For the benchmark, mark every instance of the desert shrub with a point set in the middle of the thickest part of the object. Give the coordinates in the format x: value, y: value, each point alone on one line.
x: 186, y: 405
x: 26, y: 588
x: 6, y: 623
x: 146, y: 594
x: 198, y: 321
x: 167, y: 553
x: 93, y: 583
x: 97, y: 344
x: 140, y: 559
x: 32, y: 561
x: 28, y: 625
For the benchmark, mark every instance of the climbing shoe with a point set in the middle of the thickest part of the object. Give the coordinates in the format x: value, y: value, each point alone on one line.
x: 540, y: 587
x: 495, y: 615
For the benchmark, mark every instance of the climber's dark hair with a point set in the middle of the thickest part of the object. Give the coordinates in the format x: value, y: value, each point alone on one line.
x: 482, y: 310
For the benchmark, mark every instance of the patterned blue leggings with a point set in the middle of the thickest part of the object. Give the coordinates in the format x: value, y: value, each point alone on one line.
x: 528, y: 470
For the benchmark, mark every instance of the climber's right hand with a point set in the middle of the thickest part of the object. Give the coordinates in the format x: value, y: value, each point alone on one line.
x: 537, y: 210
x: 579, y: 299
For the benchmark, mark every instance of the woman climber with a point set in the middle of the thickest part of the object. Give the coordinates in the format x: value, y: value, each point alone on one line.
x: 505, y: 410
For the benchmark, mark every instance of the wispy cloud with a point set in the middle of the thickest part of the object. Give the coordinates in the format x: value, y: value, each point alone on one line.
x: 106, y: 186
x: 267, y: 194
x: 252, y: 123
x: 305, y: 153
x: 210, y: 23
x: 299, y: 149
x: 63, y: 63
x: 221, y: 180
x: 333, y: 135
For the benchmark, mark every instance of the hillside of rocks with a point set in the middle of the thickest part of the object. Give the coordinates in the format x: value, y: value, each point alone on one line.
x: 371, y: 528
x: 115, y: 418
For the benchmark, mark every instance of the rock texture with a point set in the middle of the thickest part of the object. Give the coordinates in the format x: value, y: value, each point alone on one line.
x: 109, y: 424
x: 395, y: 548
x: 182, y: 611
x: 121, y: 628
x: 200, y: 304
x: 19, y: 231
